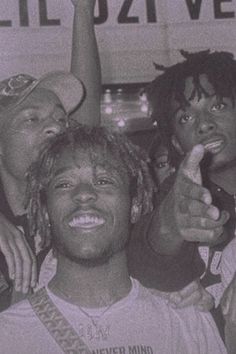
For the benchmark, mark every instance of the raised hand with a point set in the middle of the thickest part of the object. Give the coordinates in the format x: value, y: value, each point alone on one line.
x: 88, y: 3
x: 187, y: 212
x: 192, y: 294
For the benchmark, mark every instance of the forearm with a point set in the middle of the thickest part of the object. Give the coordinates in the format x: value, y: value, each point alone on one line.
x: 85, y: 62
x: 163, y: 272
x: 162, y: 239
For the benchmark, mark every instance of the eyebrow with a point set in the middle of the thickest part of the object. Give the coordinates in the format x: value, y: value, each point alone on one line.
x: 60, y: 171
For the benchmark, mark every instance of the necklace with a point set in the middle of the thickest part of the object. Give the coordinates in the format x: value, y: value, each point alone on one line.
x: 93, y: 318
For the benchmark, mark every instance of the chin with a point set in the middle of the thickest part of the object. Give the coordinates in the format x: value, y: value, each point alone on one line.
x: 90, y: 260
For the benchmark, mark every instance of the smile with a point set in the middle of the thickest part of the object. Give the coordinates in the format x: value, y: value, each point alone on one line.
x: 86, y: 221
x: 214, y: 146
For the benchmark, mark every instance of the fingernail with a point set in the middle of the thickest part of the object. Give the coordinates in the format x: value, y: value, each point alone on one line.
x: 207, y: 199
x: 12, y: 276
x: 33, y: 284
x: 18, y: 287
x: 25, y: 289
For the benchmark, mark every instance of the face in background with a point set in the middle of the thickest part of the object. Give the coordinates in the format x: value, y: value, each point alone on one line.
x: 89, y: 206
x: 26, y: 128
x: 161, y: 164
x: 208, y: 122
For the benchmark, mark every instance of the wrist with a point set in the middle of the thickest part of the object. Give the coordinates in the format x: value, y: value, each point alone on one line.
x: 85, y: 5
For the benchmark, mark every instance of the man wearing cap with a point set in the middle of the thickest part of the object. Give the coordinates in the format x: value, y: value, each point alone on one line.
x: 31, y: 112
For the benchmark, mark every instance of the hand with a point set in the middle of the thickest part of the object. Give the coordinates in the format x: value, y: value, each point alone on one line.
x: 192, y: 294
x: 19, y: 258
x: 187, y: 211
x: 228, y: 302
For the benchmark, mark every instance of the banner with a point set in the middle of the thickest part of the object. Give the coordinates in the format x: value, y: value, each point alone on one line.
x: 35, y: 35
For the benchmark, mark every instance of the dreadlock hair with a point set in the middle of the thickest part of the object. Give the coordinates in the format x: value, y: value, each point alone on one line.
x: 220, y: 70
x: 127, y: 157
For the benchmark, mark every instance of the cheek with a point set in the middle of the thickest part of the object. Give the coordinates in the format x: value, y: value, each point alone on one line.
x: 122, y: 209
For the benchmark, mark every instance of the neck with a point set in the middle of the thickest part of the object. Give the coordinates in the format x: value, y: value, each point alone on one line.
x: 15, y: 192
x: 225, y: 178
x: 92, y: 287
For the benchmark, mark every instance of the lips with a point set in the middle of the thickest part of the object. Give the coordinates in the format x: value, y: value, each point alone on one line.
x: 214, y: 146
x: 86, y: 221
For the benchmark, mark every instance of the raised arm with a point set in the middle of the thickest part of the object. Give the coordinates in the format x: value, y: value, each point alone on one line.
x: 85, y: 62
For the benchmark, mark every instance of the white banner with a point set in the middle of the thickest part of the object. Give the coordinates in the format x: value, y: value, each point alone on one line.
x: 35, y: 35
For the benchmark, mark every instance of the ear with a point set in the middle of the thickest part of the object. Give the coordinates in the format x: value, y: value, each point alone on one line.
x: 177, y: 145
x: 136, y: 210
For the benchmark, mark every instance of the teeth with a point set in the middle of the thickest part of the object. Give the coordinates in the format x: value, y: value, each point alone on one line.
x: 213, y: 145
x: 86, y: 220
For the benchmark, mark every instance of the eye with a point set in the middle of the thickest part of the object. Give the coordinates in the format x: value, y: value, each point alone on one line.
x: 185, y: 118
x: 104, y: 181
x: 32, y: 119
x: 62, y: 185
x: 61, y: 118
x: 218, y: 107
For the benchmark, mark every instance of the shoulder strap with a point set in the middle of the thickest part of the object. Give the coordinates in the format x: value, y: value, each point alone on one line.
x: 56, y: 324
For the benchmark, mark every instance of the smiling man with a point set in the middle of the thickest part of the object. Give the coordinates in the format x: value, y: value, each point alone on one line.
x: 88, y: 187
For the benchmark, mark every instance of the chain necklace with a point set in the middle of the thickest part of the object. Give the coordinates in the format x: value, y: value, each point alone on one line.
x: 93, y: 318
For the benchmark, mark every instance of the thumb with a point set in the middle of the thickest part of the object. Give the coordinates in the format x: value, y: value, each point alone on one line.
x: 191, y: 164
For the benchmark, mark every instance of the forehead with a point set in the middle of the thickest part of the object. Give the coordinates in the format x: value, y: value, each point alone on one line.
x: 189, y: 88
x: 85, y: 157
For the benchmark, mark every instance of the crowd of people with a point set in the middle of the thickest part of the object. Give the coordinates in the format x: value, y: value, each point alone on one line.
x: 106, y: 248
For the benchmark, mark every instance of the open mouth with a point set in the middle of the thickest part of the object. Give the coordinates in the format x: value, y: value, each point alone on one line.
x: 86, y: 221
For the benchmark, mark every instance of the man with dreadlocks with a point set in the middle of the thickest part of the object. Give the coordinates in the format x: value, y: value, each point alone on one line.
x: 194, y: 105
x: 88, y: 187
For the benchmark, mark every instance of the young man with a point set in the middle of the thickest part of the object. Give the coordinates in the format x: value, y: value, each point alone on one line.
x: 194, y: 104
x: 88, y: 187
x: 15, y: 160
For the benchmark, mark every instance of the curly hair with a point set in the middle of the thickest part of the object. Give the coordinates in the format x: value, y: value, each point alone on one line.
x: 220, y: 70
x: 127, y: 157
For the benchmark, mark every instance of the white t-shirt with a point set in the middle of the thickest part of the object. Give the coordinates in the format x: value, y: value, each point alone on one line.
x: 142, y: 322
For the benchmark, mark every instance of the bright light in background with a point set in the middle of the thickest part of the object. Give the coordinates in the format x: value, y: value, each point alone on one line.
x: 108, y: 110
x: 121, y: 123
x: 144, y: 108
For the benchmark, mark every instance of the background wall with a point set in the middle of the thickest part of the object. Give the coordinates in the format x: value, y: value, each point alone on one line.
x: 35, y: 35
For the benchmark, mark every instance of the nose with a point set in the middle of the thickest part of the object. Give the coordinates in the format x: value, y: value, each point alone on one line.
x: 85, y: 194
x: 206, y: 126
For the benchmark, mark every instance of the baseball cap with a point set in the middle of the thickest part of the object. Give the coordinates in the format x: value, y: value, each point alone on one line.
x: 63, y: 84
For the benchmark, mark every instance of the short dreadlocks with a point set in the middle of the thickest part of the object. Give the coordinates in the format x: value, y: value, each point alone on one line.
x: 128, y: 158
x: 219, y: 68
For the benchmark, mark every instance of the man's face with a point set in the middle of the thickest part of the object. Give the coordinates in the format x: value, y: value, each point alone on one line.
x: 27, y: 127
x: 208, y: 122
x: 89, y: 207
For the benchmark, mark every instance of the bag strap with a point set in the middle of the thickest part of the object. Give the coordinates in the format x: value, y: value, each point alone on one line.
x: 56, y: 324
